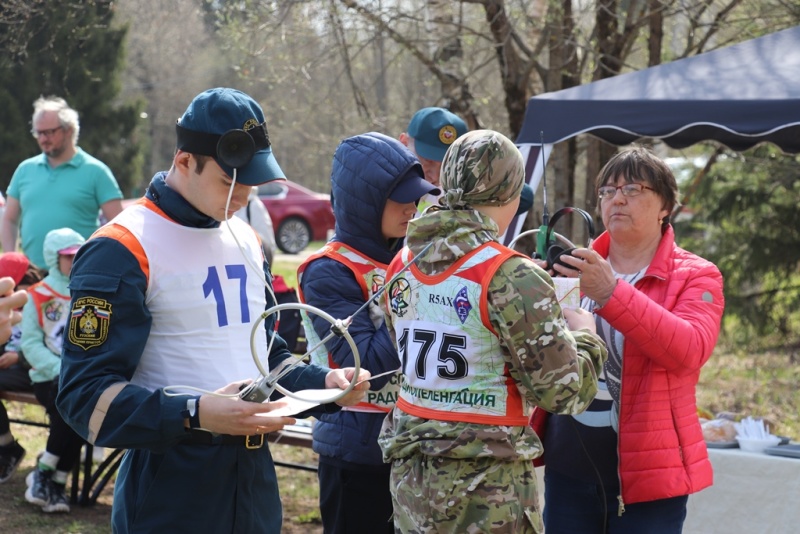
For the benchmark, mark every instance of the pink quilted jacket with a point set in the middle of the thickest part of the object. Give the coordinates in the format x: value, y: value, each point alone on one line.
x: 670, y: 326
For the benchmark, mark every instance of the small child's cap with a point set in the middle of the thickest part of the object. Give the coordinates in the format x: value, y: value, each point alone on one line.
x: 217, y: 111
x: 59, y: 242
x: 482, y: 168
x: 434, y: 130
x: 412, y: 187
x: 70, y: 250
x: 14, y: 264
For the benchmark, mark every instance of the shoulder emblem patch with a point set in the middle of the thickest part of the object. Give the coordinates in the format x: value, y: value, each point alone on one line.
x: 88, y: 323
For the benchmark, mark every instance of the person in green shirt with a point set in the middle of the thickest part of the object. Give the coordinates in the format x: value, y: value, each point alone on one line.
x: 63, y: 187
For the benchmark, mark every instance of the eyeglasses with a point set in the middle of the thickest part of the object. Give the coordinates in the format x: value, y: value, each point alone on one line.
x: 607, y: 192
x: 46, y: 133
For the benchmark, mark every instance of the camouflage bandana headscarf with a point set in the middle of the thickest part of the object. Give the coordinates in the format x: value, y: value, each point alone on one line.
x: 481, y: 168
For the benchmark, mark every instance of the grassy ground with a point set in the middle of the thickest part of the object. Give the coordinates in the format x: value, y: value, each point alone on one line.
x: 758, y: 384
x: 286, y: 264
x: 299, y: 491
x: 735, y: 380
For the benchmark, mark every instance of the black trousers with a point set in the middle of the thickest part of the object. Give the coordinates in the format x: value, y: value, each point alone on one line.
x: 14, y: 378
x: 354, y: 502
x: 62, y: 441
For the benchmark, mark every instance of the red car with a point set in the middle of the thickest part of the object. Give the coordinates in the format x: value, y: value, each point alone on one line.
x: 299, y: 215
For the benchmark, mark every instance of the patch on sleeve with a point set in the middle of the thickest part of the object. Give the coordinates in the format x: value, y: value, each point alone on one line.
x: 88, y: 323
x: 707, y: 297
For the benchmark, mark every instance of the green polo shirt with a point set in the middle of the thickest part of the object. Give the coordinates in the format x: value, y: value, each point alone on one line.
x: 68, y: 196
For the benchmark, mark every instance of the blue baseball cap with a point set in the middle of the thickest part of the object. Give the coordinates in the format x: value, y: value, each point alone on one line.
x: 525, y: 199
x: 413, y: 186
x: 434, y: 130
x: 229, y: 114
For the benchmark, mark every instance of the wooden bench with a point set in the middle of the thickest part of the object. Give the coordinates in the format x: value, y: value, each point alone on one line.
x: 88, y: 484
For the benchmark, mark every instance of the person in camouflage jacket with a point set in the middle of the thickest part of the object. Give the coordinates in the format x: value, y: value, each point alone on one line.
x: 483, y: 340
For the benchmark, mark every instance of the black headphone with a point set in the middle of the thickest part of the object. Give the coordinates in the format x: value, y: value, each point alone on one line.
x: 554, y: 249
x: 235, y: 148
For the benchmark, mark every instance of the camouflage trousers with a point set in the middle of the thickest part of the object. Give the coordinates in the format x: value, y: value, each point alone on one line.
x: 448, y: 496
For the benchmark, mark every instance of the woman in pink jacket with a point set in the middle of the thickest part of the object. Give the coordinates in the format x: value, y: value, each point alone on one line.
x: 629, y: 463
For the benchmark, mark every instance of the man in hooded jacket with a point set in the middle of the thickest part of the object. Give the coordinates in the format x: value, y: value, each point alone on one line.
x: 376, y: 183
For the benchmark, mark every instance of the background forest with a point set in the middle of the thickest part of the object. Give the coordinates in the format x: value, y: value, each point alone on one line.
x: 327, y: 69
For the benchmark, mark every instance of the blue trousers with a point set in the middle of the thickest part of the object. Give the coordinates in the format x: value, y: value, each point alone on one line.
x: 572, y: 506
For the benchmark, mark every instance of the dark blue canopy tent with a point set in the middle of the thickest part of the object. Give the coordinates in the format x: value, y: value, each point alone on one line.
x: 740, y: 95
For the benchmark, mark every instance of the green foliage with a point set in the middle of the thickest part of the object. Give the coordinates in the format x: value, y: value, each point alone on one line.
x: 71, y: 50
x: 314, y: 516
x: 286, y: 264
x: 747, y: 221
x: 760, y: 384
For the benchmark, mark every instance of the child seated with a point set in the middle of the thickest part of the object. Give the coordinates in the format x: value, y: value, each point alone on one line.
x: 44, y: 320
x: 13, y: 367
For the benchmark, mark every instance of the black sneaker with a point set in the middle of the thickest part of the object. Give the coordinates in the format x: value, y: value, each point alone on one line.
x: 38, y: 482
x: 10, y: 457
x: 57, y: 501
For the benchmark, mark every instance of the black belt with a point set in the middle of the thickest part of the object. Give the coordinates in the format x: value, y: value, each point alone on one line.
x: 202, y: 437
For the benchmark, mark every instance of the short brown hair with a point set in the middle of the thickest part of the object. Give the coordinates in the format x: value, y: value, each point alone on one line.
x: 638, y: 164
x: 200, y: 162
x: 32, y: 276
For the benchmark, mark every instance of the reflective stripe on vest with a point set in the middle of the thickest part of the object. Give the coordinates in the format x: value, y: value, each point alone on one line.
x: 370, y: 275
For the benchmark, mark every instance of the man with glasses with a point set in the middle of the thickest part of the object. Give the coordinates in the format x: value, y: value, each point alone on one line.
x: 63, y: 187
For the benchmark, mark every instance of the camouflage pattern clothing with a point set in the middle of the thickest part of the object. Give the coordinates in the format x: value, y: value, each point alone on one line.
x: 468, y: 477
x: 447, y: 495
x: 482, y: 168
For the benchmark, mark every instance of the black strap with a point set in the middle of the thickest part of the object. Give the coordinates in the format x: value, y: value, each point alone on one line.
x: 563, y: 211
x: 203, y: 437
x: 205, y: 144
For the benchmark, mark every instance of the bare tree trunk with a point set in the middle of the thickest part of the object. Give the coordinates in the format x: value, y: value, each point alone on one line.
x: 446, y: 51
x: 514, y: 74
x: 340, y: 35
x: 381, y: 92
x: 613, y: 46
x: 563, y: 73
x: 656, y: 37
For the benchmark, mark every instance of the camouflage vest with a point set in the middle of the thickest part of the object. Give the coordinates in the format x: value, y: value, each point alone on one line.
x: 453, y: 365
x: 370, y: 275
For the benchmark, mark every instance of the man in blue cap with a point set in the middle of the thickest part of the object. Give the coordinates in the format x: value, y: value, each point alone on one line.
x: 166, y: 295
x: 430, y: 133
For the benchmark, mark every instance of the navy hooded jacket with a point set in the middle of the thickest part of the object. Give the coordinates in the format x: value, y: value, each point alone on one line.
x: 366, y: 168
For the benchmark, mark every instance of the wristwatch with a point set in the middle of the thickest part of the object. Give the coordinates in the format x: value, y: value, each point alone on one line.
x: 192, y: 412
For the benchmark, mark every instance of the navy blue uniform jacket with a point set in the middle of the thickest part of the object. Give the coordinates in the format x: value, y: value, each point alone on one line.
x: 164, y: 484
